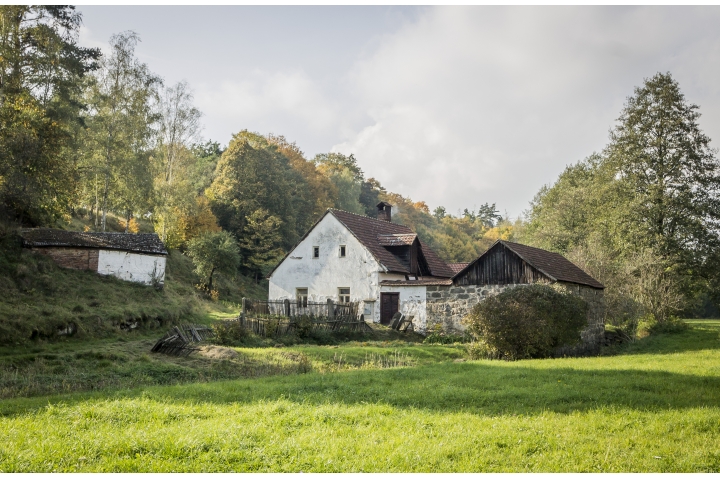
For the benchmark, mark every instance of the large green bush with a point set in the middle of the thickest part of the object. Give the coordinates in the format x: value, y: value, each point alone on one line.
x: 526, y: 322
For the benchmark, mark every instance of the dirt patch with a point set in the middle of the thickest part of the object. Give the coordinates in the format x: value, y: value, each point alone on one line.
x: 217, y: 352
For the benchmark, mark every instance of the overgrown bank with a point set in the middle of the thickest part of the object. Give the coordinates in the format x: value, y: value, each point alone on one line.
x: 43, y: 301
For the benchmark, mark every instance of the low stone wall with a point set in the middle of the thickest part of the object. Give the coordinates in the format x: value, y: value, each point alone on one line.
x: 448, y: 305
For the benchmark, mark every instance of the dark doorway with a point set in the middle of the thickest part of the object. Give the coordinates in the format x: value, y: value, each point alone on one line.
x: 389, y: 303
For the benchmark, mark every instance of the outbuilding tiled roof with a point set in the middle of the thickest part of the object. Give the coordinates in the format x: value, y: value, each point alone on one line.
x: 148, y: 243
x: 368, y: 230
x: 457, y: 267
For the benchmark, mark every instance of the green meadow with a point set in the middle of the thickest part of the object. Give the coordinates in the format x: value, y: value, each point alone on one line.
x: 650, y: 406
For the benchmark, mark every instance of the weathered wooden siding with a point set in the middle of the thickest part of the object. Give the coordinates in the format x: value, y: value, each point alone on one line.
x: 75, y: 258
x: 500, y: 266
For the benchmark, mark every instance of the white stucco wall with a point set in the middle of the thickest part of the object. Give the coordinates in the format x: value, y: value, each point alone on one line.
x: 140, y: 268
x: 358, y: 270
x: 412, y: 303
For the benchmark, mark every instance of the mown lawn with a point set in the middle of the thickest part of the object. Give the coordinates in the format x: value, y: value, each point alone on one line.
x: 653, y: 407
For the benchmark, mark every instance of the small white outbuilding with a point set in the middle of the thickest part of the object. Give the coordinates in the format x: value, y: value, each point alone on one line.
x: 139, y: 258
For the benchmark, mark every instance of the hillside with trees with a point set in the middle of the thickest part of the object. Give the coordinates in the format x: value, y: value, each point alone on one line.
x: 100, y: 143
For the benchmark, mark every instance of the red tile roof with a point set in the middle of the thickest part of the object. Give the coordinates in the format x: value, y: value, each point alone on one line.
x: 367, y: 231
x: 457, y: 267
x: 396, y: 239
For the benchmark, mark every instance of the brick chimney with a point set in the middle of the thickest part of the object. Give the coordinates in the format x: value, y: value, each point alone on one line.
x: 384, y: 211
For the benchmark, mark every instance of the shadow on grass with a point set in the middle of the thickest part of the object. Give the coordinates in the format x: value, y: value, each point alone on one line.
x: 487, y: 388
x: 479, y: 388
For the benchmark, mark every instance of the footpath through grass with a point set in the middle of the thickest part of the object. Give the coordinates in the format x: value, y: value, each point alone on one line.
x: 654, y: 407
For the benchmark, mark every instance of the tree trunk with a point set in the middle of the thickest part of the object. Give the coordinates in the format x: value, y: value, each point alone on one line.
x: 210, y: 279
x: 104, y: 204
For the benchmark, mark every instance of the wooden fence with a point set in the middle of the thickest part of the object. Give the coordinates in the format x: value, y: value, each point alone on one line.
x: 180, y: 340
x: 278, y: 318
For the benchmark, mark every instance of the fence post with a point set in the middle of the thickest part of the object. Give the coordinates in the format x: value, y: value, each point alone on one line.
x: 331, y: 309
x: 286, y: 303
x: 242, y: 311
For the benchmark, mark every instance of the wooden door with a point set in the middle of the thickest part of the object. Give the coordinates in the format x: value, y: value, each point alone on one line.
x: 389, y: 305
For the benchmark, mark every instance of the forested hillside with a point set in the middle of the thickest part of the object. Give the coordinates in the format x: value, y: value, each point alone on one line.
x: 100, y: 143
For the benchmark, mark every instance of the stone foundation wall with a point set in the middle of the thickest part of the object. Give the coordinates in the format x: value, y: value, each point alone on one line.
x: 446, y: 306
x: 75, y: 258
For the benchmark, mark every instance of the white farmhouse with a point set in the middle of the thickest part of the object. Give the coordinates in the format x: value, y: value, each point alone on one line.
x: 139, y: 258
x: 348, y: 257
x: 385, y: 266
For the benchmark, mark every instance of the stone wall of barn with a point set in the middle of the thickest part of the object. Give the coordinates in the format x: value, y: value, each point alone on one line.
x: 446, y: 306
x: 75, y: 258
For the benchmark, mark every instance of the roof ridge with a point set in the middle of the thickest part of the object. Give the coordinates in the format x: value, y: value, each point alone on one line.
x: 370, y: 218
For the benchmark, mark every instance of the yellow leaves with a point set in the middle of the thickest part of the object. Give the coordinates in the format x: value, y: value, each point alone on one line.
x: 132, y: 227
x: 502, y: 231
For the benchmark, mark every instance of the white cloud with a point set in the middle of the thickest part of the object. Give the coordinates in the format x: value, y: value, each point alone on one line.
x: 470, y: 105
x: 267, y: 102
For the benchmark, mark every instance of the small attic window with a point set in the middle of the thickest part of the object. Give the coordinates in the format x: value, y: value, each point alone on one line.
x: 316, y: 251
x: 342, y: 250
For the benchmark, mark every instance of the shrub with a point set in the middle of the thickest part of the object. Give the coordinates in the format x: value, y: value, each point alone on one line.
x: 652, y: 326
x: 526, y: 322
x: 230, y: 333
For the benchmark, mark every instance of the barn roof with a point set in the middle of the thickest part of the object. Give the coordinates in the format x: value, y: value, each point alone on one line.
x: 368, y: 231
x: 553, y: 265
x: 147, y: 243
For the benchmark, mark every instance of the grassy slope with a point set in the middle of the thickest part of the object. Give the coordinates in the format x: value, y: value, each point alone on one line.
x: 39, y: 298
x: 655, y: 406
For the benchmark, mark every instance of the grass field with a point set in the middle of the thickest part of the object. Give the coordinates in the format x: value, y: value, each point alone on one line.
x: 652, y: 406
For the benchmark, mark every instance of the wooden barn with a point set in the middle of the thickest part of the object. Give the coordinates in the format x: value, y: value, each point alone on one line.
x: 138, y: 258
x: 444, y: 302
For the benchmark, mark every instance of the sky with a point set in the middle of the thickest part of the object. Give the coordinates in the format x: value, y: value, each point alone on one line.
x: 454, y: 106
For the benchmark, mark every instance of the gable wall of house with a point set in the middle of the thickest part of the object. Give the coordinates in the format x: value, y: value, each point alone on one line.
x: 358, y: 270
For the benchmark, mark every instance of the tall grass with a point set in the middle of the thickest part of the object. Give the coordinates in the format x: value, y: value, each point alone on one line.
x: 652, y: 407
x: 39, y: 299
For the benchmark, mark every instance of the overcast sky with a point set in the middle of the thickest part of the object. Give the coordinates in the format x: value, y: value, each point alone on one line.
x: 456, y: 106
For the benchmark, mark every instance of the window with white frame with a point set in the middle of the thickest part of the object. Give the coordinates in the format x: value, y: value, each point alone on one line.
x: 302, y: 297
x: 316, y: 251
x: 343, y: 250
x: 344, y: 295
